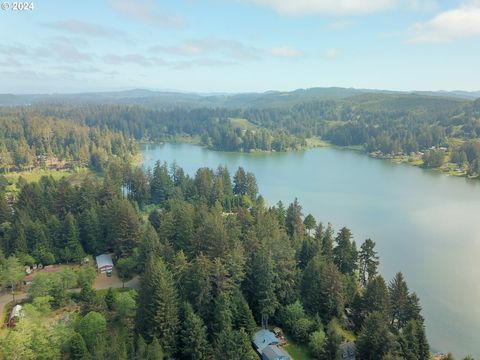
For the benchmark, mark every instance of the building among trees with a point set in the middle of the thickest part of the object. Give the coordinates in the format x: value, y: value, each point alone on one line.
x: 104, y: 263
x: 267, y: 345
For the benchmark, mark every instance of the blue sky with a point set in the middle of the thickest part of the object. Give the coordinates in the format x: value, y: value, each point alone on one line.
x: 240, y: 45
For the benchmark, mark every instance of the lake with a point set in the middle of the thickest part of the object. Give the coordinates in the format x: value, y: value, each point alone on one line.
x: 424, y: 224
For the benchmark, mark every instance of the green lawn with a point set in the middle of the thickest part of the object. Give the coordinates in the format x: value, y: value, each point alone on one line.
x: 243, y: 124
x: 316, y: 142
x: 76, y: 176
x: 347, y: 335
x: 297, y: 351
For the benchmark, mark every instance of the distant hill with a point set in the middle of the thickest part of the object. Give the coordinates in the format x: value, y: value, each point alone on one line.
x: 269, y: 99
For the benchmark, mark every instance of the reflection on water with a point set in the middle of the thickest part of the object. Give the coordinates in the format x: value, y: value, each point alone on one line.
x: 424, y: 224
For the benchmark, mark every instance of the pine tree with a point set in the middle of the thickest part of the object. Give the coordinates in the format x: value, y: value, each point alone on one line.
x: 19, y: 241
x: 242, y: 315
x: 198, y: 285
x: 334, y: 339
x: 345, y: 253
x: 307, y: 251
x: 398, y: 301
x: 193, y: 336
x: 150, y: 245
x: 72, y: 249
x: 327, y: 243
x: 157, y: 312
x: 413, y: 341
x: 376, y: 296
x: 240, y: 182
x: 154, y: 350
x: 414, y: 309
x: 262, y: 284
x: 375, y: 339
x: 141, y: 348
x: 110, y: 299
x: 309, y: 222
x: 251, y: 186
x: 293, y: 220
x: 368, y: 261
x: 90, y: 231
x: 183, y: 214
x: 161, y: 185
x: 322, y: 289
x: 78, y: 349
x: 5, y: 211
x: 122, y: 227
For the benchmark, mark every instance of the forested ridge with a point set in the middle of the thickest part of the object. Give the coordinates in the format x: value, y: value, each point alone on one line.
x: 214, y: 262
x: 433, y: 129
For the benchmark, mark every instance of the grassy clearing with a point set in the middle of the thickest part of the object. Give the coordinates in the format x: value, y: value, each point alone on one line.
x: 36, y: 174
x: 243, y: 124
x: 316, y: 142
x: 346, y: 334
x: 194, y: 140
x: 297, y: 351
x: 76, y: 176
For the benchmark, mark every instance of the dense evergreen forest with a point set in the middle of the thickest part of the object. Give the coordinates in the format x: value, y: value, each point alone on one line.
x: 31, y: 139
x: 384, y: 124
x: 214, y: 263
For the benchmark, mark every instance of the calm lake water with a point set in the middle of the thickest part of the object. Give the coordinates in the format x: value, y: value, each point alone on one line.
x: 425, y: 224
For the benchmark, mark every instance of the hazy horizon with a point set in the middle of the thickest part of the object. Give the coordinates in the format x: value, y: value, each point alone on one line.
x: 229, y: 93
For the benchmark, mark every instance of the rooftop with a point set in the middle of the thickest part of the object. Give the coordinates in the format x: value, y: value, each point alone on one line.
x: 274, y: 352
x: 263, y: 338
x: 104, y: 260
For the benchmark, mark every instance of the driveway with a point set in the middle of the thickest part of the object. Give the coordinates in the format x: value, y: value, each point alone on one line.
x: 102, y: 281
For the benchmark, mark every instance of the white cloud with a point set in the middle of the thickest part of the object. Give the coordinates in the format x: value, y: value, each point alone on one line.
x: 210, y: 46
x: 341, y: 24
x: 335, y: 7
x: 84, y: 28
x: 342, y: 7
x: 423, y: 5
x: 285, y: 52
x: 147, y: 11
x: 332, y: 53
x: 137, y: 59
x: 459, y: 23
